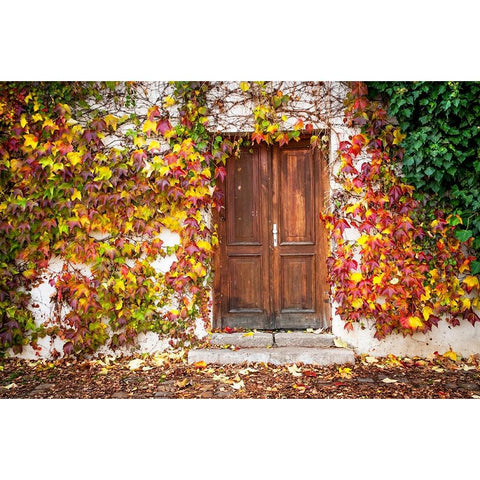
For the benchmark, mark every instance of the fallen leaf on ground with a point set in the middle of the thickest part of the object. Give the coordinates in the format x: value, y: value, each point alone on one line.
x: 247, y: 370
x: 248, y: 334
x: 370, y: 359
x: 238, y: 385
x: 10, y: 385
x: 438, y: 369
x: 345, y: 372
x: 135, y: 364
x: 451, y: 355
x: 389, y: 380
x: 340, y: 343
x: 294, y: 370
x: 182, y: 383
x: 300, y: 387
x: 309, y: 373
x: 200, y: 364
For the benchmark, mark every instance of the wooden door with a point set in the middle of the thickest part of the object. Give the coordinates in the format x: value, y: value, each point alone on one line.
x: 270, y: 269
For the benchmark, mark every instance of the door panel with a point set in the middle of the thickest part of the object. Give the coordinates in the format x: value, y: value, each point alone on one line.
x: 297, y: 287
x: 246, y: 293
x: 259, y: 282
x: 296, y: 200
x: 243, y: 280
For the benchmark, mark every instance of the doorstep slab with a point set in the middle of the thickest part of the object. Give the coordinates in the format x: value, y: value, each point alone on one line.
x: 257, y: 339
x: 275, y: 356
x: 303, y: 339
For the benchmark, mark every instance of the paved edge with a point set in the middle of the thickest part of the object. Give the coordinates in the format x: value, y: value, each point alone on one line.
x: 275, y: 356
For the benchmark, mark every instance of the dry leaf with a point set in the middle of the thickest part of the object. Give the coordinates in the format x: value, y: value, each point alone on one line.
x: 294, y: 370
x: 248, y: 334
x: 238, y: 385
x: 10, y: 385
x: 369, y: 359
x: 340, y: 343
x: 451, y: 355
x: 438, y: 369
x: 135, y: 364
x: 200, y: 364
x: 345, y: 372
x: 182, y: 383
x: 389, y: 380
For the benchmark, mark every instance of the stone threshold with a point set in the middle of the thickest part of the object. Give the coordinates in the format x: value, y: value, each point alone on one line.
x: 277, y: 348
x: 274, y: 339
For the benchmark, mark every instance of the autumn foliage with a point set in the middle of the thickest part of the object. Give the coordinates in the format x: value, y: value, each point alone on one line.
x: 403, y: 271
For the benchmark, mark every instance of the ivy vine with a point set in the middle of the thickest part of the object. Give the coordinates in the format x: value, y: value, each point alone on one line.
x: 441, y: 146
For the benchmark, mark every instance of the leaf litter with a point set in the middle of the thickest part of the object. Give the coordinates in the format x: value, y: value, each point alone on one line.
x: 168, y: 375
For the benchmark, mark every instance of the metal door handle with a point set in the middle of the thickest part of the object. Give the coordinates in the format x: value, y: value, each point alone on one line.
x: 275, y: 233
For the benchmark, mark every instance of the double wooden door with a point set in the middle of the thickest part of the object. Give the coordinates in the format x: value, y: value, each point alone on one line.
x: 270, y: 270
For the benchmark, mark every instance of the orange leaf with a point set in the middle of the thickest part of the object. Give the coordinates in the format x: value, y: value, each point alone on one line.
x: 200, y: 364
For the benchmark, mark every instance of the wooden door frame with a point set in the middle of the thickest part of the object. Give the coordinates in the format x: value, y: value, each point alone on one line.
x: 322, y: 187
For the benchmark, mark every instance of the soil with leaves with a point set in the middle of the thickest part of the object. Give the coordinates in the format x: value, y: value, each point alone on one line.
x: 168, y: 375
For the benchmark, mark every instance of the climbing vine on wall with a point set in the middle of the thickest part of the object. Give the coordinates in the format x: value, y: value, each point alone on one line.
x: 68, y: 194
x: 93, y: 174
x: 404, y: 270
x: 441, y: 146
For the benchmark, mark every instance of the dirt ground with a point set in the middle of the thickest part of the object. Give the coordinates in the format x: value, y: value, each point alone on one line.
x: 167, y: 375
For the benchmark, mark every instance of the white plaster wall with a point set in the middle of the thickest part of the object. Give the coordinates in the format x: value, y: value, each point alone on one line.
x: 463, y: 339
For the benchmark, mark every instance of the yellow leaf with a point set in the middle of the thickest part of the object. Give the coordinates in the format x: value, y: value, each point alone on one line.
x: 148, y: 126
x: 244, y: 86
x: 426, y: 295
x: 139, y: 141
x: 74, y: 158
x: 398, y: 136
x: 362, y: 240
x: 168, y: 102
x: 451, y: 355
x: 471, y: 282
x: 248, y: 334
x: 427, y: 311
x: 377, y: 279
x: 356, y: 277
x: 111, y: 121
x: 76, y: 195
x: 415, y: 322
x: 203, y: 245
x: 31, y: 141
x: 23, y: 120
x: 153, y: 145
x: 200, y: 364
x: 466, y: 303
x: 357, y: 303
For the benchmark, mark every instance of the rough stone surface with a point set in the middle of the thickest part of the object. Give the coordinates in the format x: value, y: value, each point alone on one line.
x: 304, y: 339
x: 275, y: 356
x: 120, y: 394
x: 258, y: 339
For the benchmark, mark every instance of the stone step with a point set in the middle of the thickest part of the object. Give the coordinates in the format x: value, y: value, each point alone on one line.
x: 273, y: 355
x: 279, y: 339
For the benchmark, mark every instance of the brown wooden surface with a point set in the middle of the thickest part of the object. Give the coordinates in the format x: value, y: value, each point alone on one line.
x: 256, y: 284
